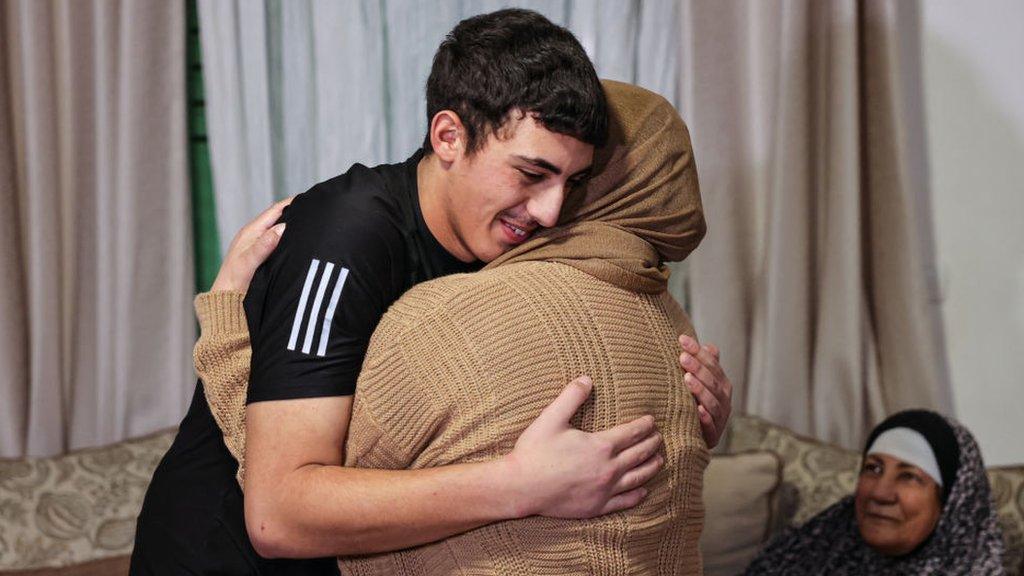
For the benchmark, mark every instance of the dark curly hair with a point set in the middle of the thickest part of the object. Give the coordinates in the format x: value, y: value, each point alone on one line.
x: 515, y: 60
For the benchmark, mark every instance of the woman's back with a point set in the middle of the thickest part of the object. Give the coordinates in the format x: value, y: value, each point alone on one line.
x: 485, y: 353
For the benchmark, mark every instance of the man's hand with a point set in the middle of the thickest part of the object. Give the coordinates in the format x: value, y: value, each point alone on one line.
x: 250, y: 248
x: 709, y: 385
x: 567, y: 473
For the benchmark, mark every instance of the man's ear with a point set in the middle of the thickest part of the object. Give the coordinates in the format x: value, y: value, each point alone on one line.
x: 447, y: 135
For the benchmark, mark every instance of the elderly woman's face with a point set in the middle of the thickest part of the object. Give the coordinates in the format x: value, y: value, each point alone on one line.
x: 897, y: 505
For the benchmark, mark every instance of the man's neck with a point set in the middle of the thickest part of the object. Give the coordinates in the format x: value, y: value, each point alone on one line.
x: 432, y: 187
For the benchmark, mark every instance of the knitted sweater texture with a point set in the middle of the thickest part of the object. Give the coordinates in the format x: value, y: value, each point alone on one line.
x: 460, y: 366
x: 221, y: 357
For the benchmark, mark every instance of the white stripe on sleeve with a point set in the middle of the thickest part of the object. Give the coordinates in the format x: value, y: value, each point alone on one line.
x: 325, y: 333
x: 317, y: 302
x: 297, y: 323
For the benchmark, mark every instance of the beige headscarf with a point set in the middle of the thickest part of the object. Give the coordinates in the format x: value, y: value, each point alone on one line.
x: 640, y: 209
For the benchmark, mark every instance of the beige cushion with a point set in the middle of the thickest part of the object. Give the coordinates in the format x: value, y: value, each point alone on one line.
x: 740, y: 497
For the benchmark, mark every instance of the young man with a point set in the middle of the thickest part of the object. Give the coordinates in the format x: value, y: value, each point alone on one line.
x: 353, y: 245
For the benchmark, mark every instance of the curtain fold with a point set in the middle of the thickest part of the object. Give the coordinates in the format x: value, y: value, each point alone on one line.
x: 903, y: 273
x: 14, y: 326
x: 817, y: 275
x: 97, y: 275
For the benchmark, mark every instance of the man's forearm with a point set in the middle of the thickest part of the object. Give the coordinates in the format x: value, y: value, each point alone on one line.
x: 335, y: 511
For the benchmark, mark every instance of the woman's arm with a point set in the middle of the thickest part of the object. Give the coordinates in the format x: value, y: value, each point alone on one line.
x: 222, y: 353
x: 221, y: 357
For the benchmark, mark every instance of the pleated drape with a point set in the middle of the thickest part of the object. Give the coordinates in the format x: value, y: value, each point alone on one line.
x: 817, y: 277
x: 95, y: 263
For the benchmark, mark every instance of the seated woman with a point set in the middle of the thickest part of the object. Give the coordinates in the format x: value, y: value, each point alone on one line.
x: 922, y: 506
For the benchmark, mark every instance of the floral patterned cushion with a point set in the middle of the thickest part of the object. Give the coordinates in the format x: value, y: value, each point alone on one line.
x: 1008, y: 492
x: 815, y: 475
x: 71, y: 509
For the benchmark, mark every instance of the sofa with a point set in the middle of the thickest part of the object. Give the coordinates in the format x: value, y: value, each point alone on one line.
x: 74, y: 515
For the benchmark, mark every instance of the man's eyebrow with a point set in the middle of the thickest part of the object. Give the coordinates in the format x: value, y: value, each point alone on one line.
x: 544, y: 164
x: 541, y: 163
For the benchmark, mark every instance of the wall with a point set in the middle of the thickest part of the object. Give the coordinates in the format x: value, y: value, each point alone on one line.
x: 974, y: 94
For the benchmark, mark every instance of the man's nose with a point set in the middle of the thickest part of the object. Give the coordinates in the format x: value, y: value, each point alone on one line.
x: 545, y: 206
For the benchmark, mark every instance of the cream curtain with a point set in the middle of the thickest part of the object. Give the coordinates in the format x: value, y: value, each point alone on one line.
x: 299, y: 90
x: 95, y: 254
x: 817, y: 277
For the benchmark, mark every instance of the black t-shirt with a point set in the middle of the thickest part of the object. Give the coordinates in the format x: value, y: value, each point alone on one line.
x: 352, y: 246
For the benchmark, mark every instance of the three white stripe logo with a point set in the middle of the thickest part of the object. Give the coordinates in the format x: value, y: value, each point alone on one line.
x: 314, y: 313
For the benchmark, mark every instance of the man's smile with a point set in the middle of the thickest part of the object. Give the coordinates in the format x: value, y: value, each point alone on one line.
x: 515, y: 232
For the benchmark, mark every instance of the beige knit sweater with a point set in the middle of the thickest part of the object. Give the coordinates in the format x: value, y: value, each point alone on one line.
x: 460, y: 366
x: 221, y: 357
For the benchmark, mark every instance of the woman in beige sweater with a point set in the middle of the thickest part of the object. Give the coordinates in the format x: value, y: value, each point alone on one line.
x: 460, y: 366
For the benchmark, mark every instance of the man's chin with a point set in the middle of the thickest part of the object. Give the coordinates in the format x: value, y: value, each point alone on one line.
x: 492, y: 250
x: 489, y: 253
x: 491, y: 256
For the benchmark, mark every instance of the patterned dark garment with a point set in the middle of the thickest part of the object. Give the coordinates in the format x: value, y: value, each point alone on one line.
x: 966, y: 540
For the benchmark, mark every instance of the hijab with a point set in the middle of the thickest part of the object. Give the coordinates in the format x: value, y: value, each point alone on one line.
x: 966, y: 540
x: 640, y: 209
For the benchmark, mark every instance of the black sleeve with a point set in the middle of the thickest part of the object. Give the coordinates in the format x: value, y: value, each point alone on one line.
x: 314, y: 304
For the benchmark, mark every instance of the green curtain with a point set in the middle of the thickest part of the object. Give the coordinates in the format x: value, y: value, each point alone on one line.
x: 206, y: 241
